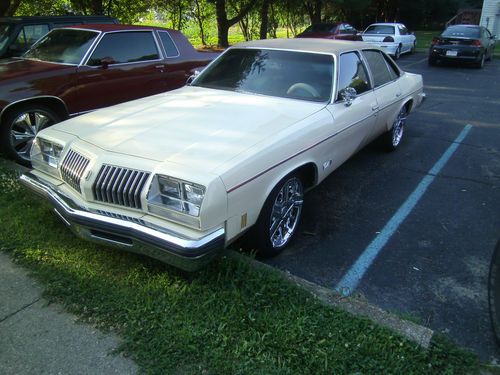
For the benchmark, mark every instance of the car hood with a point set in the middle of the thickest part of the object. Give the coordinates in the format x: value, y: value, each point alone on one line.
x: 17, y: 67
x: 189, y: 125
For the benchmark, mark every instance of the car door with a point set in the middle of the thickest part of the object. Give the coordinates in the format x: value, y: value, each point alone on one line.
x: 405, y: 38
x: 385, y: 77
x: 353, y: 120
x: 124, y: 65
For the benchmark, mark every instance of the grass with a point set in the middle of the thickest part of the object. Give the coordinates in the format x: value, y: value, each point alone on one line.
x: 227, y: 319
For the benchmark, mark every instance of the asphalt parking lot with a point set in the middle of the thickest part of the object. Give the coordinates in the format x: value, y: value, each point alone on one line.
x: 414, y: 231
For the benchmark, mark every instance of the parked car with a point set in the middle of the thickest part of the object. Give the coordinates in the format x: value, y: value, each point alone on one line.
x: 180, y: 175
x: 393, y: 38
x: 18, y: 34
x: 465, y: 43
x: 337, y: 30
x: 78, y: 69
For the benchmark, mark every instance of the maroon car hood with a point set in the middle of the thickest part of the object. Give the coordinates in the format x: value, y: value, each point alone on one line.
x: 15, y: 68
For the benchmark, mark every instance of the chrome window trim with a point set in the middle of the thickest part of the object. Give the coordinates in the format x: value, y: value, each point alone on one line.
x: 361, y: 57
x: 173, y: 42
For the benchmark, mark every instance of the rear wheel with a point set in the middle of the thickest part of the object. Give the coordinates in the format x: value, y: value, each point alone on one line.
x: 480, y: 63
x: 20, y: 127
x: 279, y: 217
x: 413, y: 47
x: 397, y: 54
x: 393, y: 137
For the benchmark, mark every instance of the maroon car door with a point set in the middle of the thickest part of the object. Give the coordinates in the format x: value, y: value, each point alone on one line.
x: 125, y: 65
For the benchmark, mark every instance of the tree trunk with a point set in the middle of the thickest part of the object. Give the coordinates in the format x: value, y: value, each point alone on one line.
x: 223, y: 24
x: 313, y: 9
x: 9, y: 7
x: 264, y: 19
x: 199, y: 18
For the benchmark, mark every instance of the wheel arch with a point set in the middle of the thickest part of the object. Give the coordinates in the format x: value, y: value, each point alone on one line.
x: 52, y: 102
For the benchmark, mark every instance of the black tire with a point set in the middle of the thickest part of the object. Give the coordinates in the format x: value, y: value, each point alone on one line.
x: 413, y: 47
x: 397, y: 54
x: 432, y: 61
x: 266, y: 241
x: 494, y: 292
x: 480, y: 63
x: 392, y: 138
x: 489, y: 55
x: 38, y: 117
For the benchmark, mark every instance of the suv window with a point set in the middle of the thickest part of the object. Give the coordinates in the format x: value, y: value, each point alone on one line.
x: 125, y: 47
x: 382, y: 70
x: 168, y: 44
x: 352, y: 73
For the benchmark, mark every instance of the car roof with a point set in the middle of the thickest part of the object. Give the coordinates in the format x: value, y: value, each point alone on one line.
x: 29, y: 19
x: 113, y: 27
x: 385, y: 23
x: 306, y: 45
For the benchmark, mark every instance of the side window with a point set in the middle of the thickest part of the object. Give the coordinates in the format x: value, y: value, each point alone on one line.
x: 29, y: 34
x: 125, y: 47
x: 402, y: 30
x: 346, y: 29
x: 352, y: 73
x: 382, y: 70
x: 168, y: 44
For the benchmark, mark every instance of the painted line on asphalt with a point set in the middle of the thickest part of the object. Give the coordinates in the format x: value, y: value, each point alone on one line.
x: 414, y: 63
x: 351, y: 279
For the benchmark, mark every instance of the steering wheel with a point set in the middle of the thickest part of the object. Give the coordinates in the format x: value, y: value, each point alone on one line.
x: 303, y: 86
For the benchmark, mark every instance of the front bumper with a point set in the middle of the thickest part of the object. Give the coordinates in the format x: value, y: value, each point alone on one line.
x: 127, y: 233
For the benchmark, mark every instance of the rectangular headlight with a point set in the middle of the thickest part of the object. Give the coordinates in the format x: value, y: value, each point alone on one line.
x: 46, y: 154
x: 173, y: 194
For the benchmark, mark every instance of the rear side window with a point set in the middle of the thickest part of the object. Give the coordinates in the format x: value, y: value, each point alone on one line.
x: 29, y: 34
x: 383, y: 71
x: 352, y: 73
x: 168, y: 44
x: 125, y: 47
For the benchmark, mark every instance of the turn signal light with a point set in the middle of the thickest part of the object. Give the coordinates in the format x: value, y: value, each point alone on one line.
x: 388, y: 39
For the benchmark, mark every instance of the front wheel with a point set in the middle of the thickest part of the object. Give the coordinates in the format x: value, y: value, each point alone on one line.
x: 280, y: 216
x: 392, y: 139
x: 20, y: 127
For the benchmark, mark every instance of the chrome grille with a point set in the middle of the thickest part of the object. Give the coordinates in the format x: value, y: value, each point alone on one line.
x: 72, y: 169
x: 121, y: 186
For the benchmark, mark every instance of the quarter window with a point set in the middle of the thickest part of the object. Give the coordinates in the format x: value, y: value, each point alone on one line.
x: 352, y: 73
x: 382, y: 69
x: 30, y: 34
x: 168, y: 44
x: 125, y: 47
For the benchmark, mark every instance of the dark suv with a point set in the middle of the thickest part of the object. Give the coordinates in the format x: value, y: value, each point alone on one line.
x: 17, y: 34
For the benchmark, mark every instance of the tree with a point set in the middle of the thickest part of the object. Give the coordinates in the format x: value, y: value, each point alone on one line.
x: 313, y: 9
x: 224, y: 23
x: 9, y: 7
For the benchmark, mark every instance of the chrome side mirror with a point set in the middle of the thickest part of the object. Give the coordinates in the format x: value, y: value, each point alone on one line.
x: 191, y: 78
x: 348, y: 95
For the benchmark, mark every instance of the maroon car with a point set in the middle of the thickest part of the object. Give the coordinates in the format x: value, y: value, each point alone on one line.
x: 339, y: 30
x: 82, y: 68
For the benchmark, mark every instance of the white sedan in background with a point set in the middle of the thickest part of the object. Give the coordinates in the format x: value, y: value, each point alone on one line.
x: 180, y: 175
x: 393, y: 38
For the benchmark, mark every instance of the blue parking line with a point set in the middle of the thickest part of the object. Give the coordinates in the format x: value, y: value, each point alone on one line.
x: 352, y: 278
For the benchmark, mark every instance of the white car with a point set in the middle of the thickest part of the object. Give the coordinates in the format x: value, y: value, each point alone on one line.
x: 180, y: 175
x: 393, y: 38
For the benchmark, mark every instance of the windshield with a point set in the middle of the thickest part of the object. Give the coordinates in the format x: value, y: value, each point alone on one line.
x: 66, y: 46
x: 4, y: 34
x: 286, y: 74
x: 321, y: 28
x: 462, y: 32
x: 379, y: 29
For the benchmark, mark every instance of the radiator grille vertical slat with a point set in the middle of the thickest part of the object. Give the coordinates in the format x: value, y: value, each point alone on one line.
x: 120, y: 186
x: 72, y: 169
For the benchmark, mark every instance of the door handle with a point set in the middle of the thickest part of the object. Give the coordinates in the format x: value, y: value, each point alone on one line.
x: 374, y: 107
x: 398, y: 95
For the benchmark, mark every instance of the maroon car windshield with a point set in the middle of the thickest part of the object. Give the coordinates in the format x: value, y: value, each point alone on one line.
x: 66, y: 46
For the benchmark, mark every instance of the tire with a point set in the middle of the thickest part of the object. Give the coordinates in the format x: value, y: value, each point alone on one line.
x: 480, y: 63
x: 397, y: 54
x: 280, y: 216
x: 413, y: 47
x: 432, y: 61
x: 19, y: 128
x: 392, y: 139
x: 494, y: 292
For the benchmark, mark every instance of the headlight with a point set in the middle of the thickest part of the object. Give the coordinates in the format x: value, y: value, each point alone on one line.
x: 45, y: 154
x: 174, y: 194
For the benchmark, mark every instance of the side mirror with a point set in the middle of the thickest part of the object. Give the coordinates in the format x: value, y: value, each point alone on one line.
x: 192, y: 77
x: 348, y: 95
x: 106, y: 62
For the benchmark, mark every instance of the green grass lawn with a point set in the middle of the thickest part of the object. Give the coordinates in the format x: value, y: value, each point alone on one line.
x: 227, y: 319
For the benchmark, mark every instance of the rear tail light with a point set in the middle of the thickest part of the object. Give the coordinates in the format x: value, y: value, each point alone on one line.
x: 476, y: 43
x: 388, y: 39
x: 435, y: 40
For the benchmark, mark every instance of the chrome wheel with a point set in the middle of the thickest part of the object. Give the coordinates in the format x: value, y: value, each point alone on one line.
x: 285, y: 212
x: 398, y: 53
x: 398, y: 127
x: 24, y: 128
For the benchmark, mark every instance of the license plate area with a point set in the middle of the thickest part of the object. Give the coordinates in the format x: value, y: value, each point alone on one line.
x: 452, y: 53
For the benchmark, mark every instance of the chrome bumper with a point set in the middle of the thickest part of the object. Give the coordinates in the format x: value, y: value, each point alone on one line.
x: 127, y: 233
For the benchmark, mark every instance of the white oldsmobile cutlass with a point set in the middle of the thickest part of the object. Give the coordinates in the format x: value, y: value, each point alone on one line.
x: 180, y: 175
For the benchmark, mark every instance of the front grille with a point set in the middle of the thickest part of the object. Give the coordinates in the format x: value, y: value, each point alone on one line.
x: 121, y: 186
x: 72, y: 169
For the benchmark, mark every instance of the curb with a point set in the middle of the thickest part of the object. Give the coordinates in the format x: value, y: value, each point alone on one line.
x: 412, y: 331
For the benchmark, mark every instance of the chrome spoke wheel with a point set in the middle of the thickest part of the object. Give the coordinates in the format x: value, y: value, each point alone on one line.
x: 24, y: 129
x: 398, y: 127
x: 285, y: 212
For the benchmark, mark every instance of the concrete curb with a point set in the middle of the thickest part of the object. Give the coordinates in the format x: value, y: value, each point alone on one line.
x: 419, y: 334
